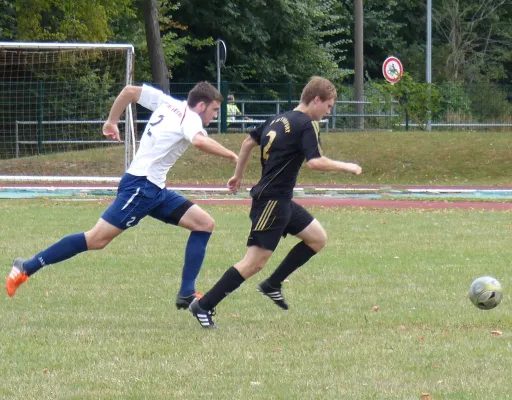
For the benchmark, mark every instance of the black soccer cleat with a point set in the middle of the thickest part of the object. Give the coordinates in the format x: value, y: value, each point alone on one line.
x: 204, y: 317
x: 274, y: 294
x: 183, y: 302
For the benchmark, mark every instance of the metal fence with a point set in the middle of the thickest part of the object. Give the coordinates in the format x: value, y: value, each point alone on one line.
x: 482, y: 107
x: 479, y: 106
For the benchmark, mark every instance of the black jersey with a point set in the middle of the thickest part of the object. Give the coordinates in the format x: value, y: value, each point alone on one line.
x: 285, y: 141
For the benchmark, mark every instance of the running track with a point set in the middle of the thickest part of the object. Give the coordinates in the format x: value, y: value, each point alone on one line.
x: 339, y: 202
x: 326, y: 201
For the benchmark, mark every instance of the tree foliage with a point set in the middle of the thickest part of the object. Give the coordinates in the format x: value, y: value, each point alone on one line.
x: 472, y: 39
x: 281, y: 40
x: 266, y: 41
x: 7, y: 20
x: 64, y: 20
x: 177, y: 42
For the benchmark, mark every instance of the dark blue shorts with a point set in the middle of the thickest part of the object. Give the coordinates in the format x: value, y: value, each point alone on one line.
x: 137, y: 197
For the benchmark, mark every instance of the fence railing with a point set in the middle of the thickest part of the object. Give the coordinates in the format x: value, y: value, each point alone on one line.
x: 461, y: 108
x: 342, y: 113
x: 476, y: 106
x: 339, y: 113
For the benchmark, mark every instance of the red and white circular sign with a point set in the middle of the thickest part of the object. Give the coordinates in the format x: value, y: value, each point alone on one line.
x: 392, y: 69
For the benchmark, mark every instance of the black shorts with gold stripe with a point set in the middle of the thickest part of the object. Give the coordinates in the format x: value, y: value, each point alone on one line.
x: 273, y: 219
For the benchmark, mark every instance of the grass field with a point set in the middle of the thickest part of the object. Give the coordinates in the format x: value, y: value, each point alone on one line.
x: 103, y: 325
x: 387, y: 158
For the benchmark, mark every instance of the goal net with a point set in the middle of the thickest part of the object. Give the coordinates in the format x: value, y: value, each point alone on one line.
x: 55, y: 98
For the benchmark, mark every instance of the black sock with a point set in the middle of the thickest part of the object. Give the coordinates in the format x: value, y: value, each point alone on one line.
x: 297, y: 257
x: 228, y: 283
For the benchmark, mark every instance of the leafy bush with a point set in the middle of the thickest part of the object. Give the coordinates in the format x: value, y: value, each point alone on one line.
x: 416, y: 100
x: 454, y: 98
x: 489, y: 102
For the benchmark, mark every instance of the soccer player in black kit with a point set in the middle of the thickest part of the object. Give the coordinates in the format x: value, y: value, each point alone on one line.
x: 285, y: 141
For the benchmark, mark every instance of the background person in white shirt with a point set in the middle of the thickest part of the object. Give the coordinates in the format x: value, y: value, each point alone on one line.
x: 172, y: 127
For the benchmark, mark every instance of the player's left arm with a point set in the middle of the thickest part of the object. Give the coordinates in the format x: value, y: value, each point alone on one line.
x: 211, y: 146
x: 193, y: 131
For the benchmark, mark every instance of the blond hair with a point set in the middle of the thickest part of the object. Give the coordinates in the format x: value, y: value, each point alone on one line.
x: 318, y: 86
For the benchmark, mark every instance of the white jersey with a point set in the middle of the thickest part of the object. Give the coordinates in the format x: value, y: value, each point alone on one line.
x: 170, y: 130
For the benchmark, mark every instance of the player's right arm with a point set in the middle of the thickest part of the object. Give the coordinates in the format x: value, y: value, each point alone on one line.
x: 315, y: 159
x: 129, y: 94
x: 243, y: 159
x: 145, y: 95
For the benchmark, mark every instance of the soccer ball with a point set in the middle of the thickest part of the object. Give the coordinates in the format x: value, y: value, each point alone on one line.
x: 485, y: 292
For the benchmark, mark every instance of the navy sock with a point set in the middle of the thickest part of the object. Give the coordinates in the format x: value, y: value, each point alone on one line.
x: 194, y: 256
x: 65, y: 248
x: 228, y: 283
x: 297, y: 257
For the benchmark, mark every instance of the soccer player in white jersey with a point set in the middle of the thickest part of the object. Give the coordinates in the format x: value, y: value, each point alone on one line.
x: 172, y: 127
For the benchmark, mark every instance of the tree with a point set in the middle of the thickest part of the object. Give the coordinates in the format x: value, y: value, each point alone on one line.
x: 474, y: 38
x: 175, y: 38
x: 154, y: 44
x: 63, y: 20
x: 268, y: 41
x: 391, y: 27
x: 7, y: 20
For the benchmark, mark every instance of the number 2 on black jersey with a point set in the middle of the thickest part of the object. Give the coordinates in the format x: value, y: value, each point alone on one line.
x: 272, y: 136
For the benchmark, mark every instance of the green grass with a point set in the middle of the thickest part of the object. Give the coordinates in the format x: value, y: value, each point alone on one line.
x: 103, y: 325
x: 387, y: 158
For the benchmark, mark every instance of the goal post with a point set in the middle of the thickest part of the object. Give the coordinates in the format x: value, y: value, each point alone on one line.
x: 54, y: 99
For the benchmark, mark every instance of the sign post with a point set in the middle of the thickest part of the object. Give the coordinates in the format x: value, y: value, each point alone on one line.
x: 429, y: 58
x: 220, y: 57
x: 392, y: 69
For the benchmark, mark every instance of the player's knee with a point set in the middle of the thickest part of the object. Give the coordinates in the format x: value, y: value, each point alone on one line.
x: 95, y: 242
x: 318, y: 242
x: 322, y: 240
x: 103, y: 244
x: 251, y: 269
x: 206, y: 225
x: 258, y: 265
x: 248, y: 268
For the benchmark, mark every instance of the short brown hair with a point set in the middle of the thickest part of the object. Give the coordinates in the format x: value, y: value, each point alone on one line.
x: 203, y: 91
x: 318, y: 86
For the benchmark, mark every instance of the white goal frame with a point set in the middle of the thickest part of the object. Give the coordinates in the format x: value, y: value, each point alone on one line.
x: 129, y: 142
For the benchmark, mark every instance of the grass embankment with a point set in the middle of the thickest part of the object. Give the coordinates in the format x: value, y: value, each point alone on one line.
x: 387, y: 158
